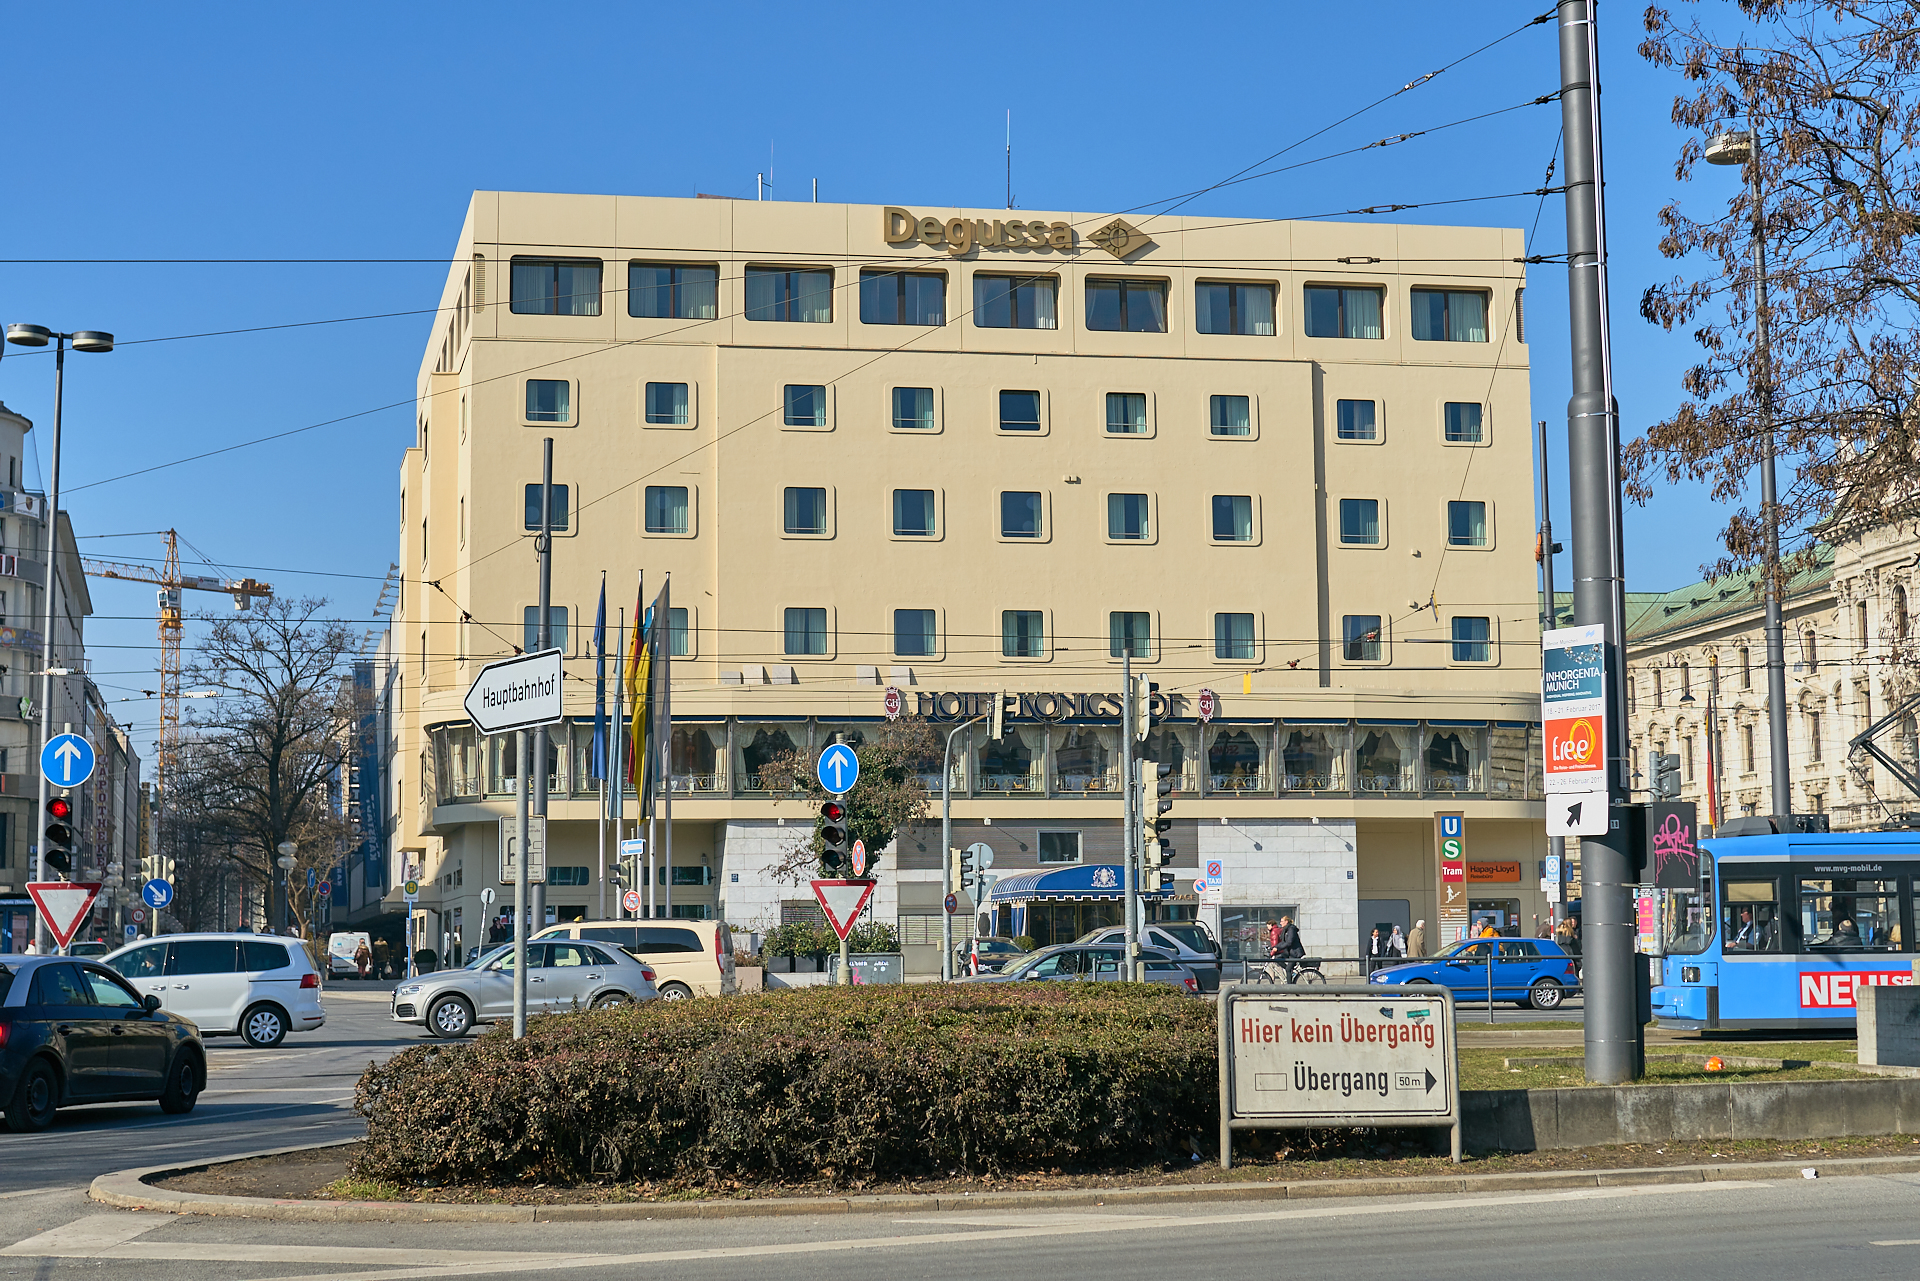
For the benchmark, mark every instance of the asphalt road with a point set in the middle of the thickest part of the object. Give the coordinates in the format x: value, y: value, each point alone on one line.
x: 301, y: 1091
x: 1862, y: 1229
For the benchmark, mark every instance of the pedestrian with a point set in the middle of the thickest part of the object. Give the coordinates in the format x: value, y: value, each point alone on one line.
x: 1273, y: 939
x: 1487, y: 931
x: 1376, y: 950
x: 1396, y: 943
x: 1417, y: 939
x: 362, y: 959
x: 33, y: 947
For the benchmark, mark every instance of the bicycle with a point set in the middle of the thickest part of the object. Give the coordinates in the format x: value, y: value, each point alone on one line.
x: 1294, y: 971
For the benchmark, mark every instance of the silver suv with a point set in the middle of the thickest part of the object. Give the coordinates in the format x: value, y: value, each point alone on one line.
x: 1186, y: 940
x: 561, y: 975
x: 1078, y: 963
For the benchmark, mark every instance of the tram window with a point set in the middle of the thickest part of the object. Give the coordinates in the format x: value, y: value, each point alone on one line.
x: 1750, y: 917
x: 1848, y: 915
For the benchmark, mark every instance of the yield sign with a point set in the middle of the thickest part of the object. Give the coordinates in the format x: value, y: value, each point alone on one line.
x: 842, y: 901
x: 63, y: 905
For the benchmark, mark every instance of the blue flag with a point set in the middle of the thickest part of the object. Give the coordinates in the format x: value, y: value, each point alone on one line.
x: 598, y: 769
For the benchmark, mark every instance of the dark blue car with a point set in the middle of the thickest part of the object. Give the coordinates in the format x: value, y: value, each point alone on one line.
x: 1536, y: 972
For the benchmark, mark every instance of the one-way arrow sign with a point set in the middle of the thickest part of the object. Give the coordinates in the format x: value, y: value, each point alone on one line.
x: 516, y: 693
x: 1577, y: 814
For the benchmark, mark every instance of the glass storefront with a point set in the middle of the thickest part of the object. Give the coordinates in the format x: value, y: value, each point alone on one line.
x: 1237, y: 758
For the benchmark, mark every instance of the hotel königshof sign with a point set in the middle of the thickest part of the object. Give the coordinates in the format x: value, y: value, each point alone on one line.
x: 957, y: 706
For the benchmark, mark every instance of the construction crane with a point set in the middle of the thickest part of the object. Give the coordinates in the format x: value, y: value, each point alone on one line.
x: 171, y: 582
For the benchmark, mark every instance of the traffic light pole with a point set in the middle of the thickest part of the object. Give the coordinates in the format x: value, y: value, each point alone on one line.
x: 1129, y: 831
x: 946, y: 857
x: 51, y: 547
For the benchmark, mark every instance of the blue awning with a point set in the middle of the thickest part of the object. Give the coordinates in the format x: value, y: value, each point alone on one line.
x: 1080, y: 883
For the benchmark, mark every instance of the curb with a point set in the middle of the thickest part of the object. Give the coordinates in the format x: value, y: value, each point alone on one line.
x: 130, y: 1190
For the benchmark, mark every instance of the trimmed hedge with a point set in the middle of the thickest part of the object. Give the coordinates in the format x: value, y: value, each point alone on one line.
x: 843, y: 1084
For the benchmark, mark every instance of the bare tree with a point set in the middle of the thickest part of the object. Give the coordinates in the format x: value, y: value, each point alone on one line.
x: 888, y: 799
x: 1832, y: 88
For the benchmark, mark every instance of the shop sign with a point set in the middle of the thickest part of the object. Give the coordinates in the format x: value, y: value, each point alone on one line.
x: 954, y: 705
x: 1503, y: 871
x: 963, y: 235
x: 1207, y: 705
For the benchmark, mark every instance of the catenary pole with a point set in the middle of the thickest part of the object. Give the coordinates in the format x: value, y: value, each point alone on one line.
x: 1556, y: 845
x: 946, y: 857
x: 52, y: 592
x: 1615, y: 1051
x: 1128, y: 845
x: 1776, y: 584
x: 664, y: 640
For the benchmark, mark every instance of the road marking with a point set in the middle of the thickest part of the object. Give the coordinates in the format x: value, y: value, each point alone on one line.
x: 9, y: 1196
x: 84, y: 1238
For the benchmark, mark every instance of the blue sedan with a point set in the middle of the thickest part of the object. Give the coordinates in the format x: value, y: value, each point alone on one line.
x: 1536, y: 972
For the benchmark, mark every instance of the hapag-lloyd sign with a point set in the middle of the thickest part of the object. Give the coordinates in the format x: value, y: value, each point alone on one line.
x: 956, y: 706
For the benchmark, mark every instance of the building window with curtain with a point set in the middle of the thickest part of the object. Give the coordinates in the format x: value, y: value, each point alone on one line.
x: 806, y: 631
x: 678, y: 641
x: 903, y: 298
x: 1334, y: 312
x: 1355, y: 420
x: 1127, y: 516
x: 550, y: 400
x: 1020, y: 513
x: 1463, y: 423
x: 913, y: 514
x: 1019, y: 411
x: 1814, y: 749
x: 1126, y: 413
x: 1230, y: 415
x: 1472, y: 640
x: 560, y: 505
x: 666, y: 509
x: 913, y: 633
x: 1221, y: 308
x: 1015, y: 302
x: 667, y: 403
x: 1360, y: 637
x: 556, y: 287
x: 779, y: 293
x: 670, y: 291
x: 1232, y: 518
x: 1449, y: 315
x: 1127, y: 306
x: 913, y: 408
x: 806, y: 510
x: 806, y: 405
x: 1130, y: 633
x: 1360, y: 522
x: 1023, y: 633
x: 1466, y: 523
x: 1233, y: 636
x: 530, y: 627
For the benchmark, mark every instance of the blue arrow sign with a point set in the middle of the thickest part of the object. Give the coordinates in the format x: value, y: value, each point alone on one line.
x: 67, y: 760
x: 157, y: 893
x: 839, y: 769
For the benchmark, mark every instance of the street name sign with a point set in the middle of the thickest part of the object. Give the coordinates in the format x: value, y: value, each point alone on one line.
x: 516, y: 693
x: 842, y: 901
x: 63, y: 905
x: 839, y: 769
x: 536, y: 851
x: 1370, y: 1055
x: 67, y: 760
x: 1573, y: 707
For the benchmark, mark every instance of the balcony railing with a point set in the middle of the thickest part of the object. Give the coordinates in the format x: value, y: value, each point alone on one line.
x: 1384, y: 782
x: 1108, y: 781
x: 704, y: 783
x: 1030, y: 782
x: 1228, y: 783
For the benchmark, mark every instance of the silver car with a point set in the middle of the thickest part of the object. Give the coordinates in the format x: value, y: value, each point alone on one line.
x: 1080, y: 963
x: 561, y: 975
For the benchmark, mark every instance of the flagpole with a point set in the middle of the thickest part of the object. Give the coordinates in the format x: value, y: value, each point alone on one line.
x: 666, y: 720
x: 617, y: 747
x: 600, y: 729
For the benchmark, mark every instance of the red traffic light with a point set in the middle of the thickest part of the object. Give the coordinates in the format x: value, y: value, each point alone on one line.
x: 60, y: 807
x: 833, y: 811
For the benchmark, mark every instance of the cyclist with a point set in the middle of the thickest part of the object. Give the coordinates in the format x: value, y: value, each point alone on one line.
x: 1284, y: 946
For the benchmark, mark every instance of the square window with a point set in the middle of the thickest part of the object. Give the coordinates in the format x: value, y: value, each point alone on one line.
x: 549, y: 400
x: 1020, y: 513
x: 913, y: 633
x: 1130, y: 633
x: 1232, y: 518
x: 1127, y: 516
x: 1466, y: 524
x: 1233, y: 309
x: 806, y: 510
x: 1472, y: 640
x: 1014, y: 302
x: 1128, y: 306
x: 1360, y: 522
x: 1019, y: 411
x: 1334, y: 312
x: 1023, y: 633
x: 806, y: 631
x: 1126, y: 413
x: 1230, y: 415
x: 913, y: 515
x: 1059, y: 847
x: 669, y: 291
x: 530, y: 628
x: 913, y: 408
x: 776, y: 293
x: 1354, y: 420
x: 666, y: 509
x: 1360, y: 635
x: 806, y: 405
x: 560, y: 505
x: 1449, y: 315
x: 903, y: 298
x: 1462, y: 423
x: 556, y: 287
x: 1233, y: 635
x: 677, y: 636
x: 667, y: 403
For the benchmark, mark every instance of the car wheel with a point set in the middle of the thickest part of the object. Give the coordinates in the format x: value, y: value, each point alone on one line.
x: 450, y: 1018
x: 676, y: 992
x: 34, y: 1099
x: 263, y: 1026
x: 1546, y: 995
x: 607, y: 1000
x: 183, y: 1086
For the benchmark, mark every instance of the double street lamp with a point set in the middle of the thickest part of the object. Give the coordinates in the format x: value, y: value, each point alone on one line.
x: 287, y: 850
x: 83, y: 340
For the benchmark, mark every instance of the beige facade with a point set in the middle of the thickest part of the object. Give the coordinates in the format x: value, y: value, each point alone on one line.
x: 831, y: 496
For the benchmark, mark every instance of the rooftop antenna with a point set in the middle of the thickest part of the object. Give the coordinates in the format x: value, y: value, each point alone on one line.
x: 816, y: 191
x: 759, y: 186
x: 1009, y: 157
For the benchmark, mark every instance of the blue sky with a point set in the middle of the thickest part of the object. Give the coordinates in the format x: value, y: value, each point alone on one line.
x: 360, y: 130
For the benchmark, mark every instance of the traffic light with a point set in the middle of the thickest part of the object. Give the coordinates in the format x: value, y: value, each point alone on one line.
x: 1155, y: 848
x: 837, y: 855
x: 997, y: 726
x: 956, y: 861
x: 967, y: 872
x: 58, y: 854
x: 1143, y: 692
x: 1664, y: 769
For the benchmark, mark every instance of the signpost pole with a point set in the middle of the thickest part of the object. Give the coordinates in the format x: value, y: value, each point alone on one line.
x: 1129, y: 838
x: 545, y: 549
x: 523, y: 751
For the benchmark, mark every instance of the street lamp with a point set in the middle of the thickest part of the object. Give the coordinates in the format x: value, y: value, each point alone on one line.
x: 287, y: 850
x: 82, y: 340
x: 1741, y: 147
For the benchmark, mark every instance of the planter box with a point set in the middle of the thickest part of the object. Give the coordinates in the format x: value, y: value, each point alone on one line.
x: 749, y: 978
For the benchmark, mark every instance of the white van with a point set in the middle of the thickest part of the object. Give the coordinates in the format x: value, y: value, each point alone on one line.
x: 342, y: 948
x: 257, y: 985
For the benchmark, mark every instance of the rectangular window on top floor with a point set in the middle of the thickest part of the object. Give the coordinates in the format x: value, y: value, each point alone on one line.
x: 1233, y: 308
x: 1127, y: 306
x: 1126, y: 413
x: 903, y: 298
x: 1337, y: 312
x: 669, y: 291
x: 1230, y: 415
x: 913, y: 408
x: 667, y: 403
x: 556, y: 286
x: 1233, y: 635
x: 1015, y: 302
x: 560, y: 504
x: 1449, y: 315
x: 913, y: 633
x: 777, y: 293
x: 550, y: 400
